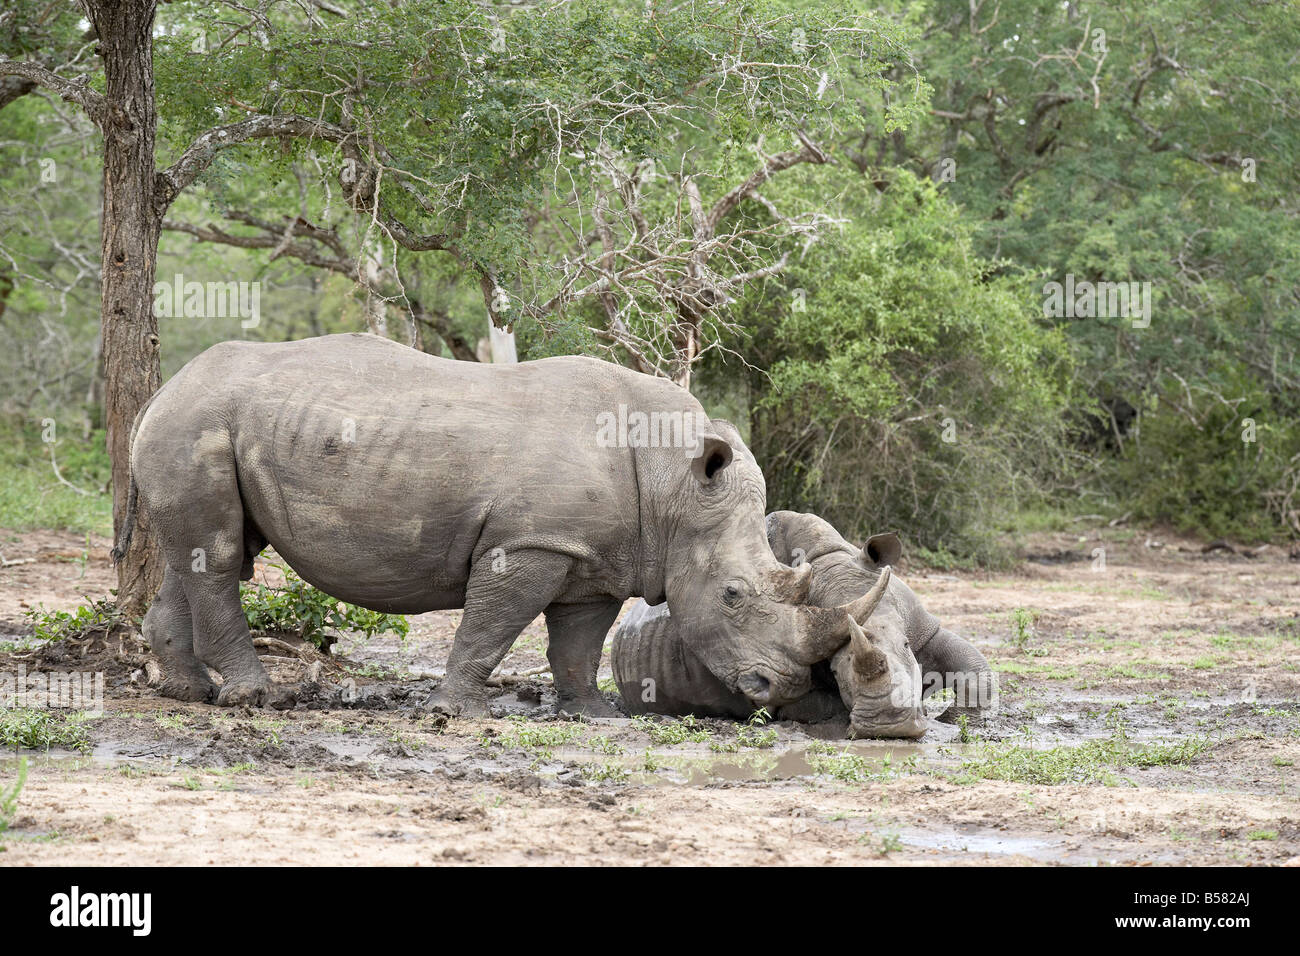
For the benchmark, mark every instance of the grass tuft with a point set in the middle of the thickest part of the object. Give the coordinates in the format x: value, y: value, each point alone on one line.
x: 41, y: 730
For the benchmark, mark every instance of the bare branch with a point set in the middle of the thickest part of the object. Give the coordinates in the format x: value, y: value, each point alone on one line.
x: 810, y: 153
x: 339, y: 264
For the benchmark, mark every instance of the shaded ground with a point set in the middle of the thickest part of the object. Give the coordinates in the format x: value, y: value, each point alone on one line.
x: 1148, y: 715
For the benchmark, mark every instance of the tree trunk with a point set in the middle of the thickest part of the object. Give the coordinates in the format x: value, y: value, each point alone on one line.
x: 502, y: 345
x: 376, y: 308
x: 129, y: 250
x: 498, y: 348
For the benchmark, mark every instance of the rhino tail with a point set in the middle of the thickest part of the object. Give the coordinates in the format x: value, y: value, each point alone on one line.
x: 128, y: 524
x: 133, y: 492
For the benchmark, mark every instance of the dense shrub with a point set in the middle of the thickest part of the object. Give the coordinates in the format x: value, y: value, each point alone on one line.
x: 914, y: 389
x: 1214, y: 469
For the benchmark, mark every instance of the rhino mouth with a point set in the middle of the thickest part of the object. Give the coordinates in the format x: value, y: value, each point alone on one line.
x: 909, y: 726
x: 755, y: 685
x: 881, y: 716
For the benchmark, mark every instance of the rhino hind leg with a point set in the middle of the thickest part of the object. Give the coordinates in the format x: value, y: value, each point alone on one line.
x: 577, y: 639
x: 965, y: 671
x: 502, y: 597
x: 170, y: 632
x: 203, y: 539
x: 222, y: 640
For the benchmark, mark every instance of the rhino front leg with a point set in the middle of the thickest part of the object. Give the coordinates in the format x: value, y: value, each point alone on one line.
x: 169, y: 630
x: 964, y: 669
x: 577, y: 639
x: 504, y: 594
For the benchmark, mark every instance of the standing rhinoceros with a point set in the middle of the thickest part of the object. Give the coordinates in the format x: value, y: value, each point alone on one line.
x: 405, y: 483
x: 875, y: 679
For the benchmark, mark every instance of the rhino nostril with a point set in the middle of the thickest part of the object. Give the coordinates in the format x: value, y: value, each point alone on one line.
x: 756, y: 687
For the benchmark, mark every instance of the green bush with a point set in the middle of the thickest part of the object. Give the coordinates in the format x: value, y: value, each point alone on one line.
x: 916, y: 388
x: 41, y: 730
x: 1190, y: 467
x: 298, y: 608
x: 102, y: 616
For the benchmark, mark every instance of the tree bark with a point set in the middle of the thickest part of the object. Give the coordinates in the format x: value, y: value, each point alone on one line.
x: 129, y: 234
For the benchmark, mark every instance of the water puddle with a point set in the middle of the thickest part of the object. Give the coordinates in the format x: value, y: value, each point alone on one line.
x: 989, y: 842
x: 985, y: 841
x: 105, y: 754
x: 43, y: 760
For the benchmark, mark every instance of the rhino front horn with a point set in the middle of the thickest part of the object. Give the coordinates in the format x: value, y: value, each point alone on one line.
x: 863, y: 607
x: 868, y: 662
x: 828, y: 629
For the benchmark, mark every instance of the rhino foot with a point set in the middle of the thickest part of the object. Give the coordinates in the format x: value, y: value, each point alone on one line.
x: 442, y: 702
x: 252, y: 693
x: 586, y: 707
x: 188, y: 688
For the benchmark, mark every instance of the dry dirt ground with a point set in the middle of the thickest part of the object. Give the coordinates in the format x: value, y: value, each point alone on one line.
x: 1148, y: 715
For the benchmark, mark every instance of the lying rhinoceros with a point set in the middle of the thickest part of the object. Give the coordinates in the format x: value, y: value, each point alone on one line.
x: 875, y: 679
x: 404, y: 483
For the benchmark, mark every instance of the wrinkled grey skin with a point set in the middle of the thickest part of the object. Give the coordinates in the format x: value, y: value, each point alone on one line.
x: 922, y: 655
x: 876, y: 680
x: 405, y: 483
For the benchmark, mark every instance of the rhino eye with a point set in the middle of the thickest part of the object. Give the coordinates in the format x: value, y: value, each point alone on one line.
x: 730, y: 594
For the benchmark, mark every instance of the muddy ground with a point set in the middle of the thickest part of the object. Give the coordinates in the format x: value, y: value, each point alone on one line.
x: 1148, y: 715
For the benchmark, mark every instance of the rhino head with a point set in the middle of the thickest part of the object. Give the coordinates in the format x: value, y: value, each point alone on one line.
x: 878, y: 675
x: 744, y: 614
x: 900, y: 653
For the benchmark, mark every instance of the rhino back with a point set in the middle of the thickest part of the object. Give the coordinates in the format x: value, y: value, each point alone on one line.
x: 381, y: 473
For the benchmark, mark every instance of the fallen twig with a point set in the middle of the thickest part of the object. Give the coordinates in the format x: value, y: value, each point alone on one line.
x: 502, y: 680
x: 273, y: 659
x: 284, y: 647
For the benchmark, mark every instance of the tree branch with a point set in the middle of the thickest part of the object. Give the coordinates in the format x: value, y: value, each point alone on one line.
x: 198, y: 156
x: 809, y: 153
x: 74, y: 91
x: 341, y: 262
x: 342, y: 265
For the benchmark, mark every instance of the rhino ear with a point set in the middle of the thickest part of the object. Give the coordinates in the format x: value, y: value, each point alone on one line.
x: 713, y: 455
x: 882, y: 549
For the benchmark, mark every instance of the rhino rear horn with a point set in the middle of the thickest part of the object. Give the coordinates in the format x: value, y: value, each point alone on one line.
x: 825, y: 630
x: 794, y: 584
x: 868, y: 661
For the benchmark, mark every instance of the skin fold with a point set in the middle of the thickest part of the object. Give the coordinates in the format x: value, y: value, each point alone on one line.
x: 876, y: 679
x: 405, y: 483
